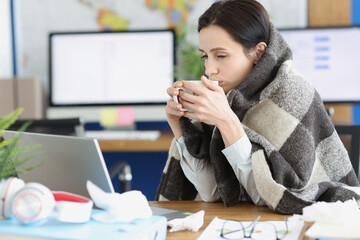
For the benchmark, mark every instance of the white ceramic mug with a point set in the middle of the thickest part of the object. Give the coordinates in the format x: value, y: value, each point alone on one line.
x: 197, y: 82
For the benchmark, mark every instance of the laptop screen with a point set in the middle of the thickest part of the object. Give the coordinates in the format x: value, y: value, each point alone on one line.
x: 69, y: 163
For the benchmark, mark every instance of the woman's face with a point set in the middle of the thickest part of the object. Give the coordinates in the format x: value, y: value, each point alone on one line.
x: 225, y: 59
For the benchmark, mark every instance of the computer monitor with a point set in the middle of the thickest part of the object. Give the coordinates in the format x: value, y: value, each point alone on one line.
x: 111, y: 68
x: 328, y: 57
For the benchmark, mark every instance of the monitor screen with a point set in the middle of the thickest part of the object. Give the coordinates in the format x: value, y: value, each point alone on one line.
x: 328, y: 57
x: 111, y: 68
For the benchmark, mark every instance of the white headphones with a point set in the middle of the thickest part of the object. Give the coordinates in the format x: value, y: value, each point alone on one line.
x: 34, y: 203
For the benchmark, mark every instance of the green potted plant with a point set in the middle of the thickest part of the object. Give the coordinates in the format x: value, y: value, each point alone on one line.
x: 13, y: 157
x: 190, y: 65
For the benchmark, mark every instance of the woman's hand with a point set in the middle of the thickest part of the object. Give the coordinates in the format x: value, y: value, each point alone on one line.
x: 208, y: 105
x: 172, y: 109
x: 212, y: 107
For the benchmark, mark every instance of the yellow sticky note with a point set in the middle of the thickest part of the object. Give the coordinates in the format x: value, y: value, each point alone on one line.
x: 108, y: 117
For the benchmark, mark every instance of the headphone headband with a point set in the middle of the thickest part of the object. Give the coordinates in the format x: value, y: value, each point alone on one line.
x: 34, y: 202
x: 72, y: 207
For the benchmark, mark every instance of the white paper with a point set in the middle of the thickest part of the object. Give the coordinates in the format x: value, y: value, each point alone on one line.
x: 213, y: 230
x: 325, y: 230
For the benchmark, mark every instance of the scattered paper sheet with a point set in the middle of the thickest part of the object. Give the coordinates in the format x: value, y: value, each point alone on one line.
x: 265, y: 230
x: 325, y: 230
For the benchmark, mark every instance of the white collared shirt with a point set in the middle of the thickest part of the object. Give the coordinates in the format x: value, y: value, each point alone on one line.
x: 202, y: 176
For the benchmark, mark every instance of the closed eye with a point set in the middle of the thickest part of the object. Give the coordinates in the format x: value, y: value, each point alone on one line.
x: 204, y: 56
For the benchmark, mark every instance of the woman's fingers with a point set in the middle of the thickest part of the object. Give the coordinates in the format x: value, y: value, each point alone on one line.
x: 174, y: 91
x: 171, y: 91
x: 213, y: 86
x: 173, y: 108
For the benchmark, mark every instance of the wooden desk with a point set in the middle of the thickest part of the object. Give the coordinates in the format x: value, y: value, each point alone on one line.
x: 161, y: 144
x: 241, y: 212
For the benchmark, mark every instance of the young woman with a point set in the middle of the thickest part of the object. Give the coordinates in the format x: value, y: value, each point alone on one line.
x: 262, y: 134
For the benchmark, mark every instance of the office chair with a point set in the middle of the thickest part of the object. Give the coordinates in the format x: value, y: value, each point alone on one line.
x: 350, y: 136
x: 65, y: 126
x: 123, y: 171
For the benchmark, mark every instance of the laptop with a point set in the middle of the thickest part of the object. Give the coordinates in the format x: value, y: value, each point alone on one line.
x: 69, y: 162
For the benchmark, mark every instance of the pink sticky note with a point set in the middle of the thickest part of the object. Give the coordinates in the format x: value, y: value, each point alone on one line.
x: 125, y: 116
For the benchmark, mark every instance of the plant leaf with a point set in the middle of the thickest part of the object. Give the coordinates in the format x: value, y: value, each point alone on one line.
x: 9, y: 119
x: 15, y: 162
x: 10, y: 154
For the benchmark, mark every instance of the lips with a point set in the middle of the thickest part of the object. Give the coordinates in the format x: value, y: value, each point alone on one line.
x: 219, y: 82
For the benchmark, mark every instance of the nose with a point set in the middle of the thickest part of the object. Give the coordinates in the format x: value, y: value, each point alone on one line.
x: 211, y: 68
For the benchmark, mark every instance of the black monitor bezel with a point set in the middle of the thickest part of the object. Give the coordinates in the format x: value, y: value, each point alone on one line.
x: 52, y: 104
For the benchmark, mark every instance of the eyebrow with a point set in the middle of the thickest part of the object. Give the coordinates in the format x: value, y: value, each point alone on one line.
x: 213, y: 49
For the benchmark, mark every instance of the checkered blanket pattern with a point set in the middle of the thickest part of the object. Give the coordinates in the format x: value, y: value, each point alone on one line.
x: 297, y: 156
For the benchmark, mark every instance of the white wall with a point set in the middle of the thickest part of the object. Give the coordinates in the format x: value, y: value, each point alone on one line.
x: 35, y: 19
x: 5, y: 40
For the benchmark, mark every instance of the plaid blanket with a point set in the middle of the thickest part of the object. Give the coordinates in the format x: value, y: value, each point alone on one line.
x: 297, y: 156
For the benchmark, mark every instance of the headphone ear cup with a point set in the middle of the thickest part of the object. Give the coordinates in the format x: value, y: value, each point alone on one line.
x: 33, y: 203
x: 8, y: 189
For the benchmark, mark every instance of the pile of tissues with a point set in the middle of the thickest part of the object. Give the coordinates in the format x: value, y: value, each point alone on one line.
x: 335, y: 220
x: 131, y: 205
x: 331, y: 212
x: 118, y: 207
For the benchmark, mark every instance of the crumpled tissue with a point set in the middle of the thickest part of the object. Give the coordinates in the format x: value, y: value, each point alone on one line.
x: 332, y: 219
x: 192, y: 222
x: 331, y: 212
x: 123, y: 207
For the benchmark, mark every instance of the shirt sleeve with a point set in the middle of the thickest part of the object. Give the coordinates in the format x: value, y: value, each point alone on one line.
x: 202, y: 176
x: 199, y: 174
x: 239, y: 156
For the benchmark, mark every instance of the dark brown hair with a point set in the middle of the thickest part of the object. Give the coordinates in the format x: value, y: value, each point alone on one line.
x: 246, y: 21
